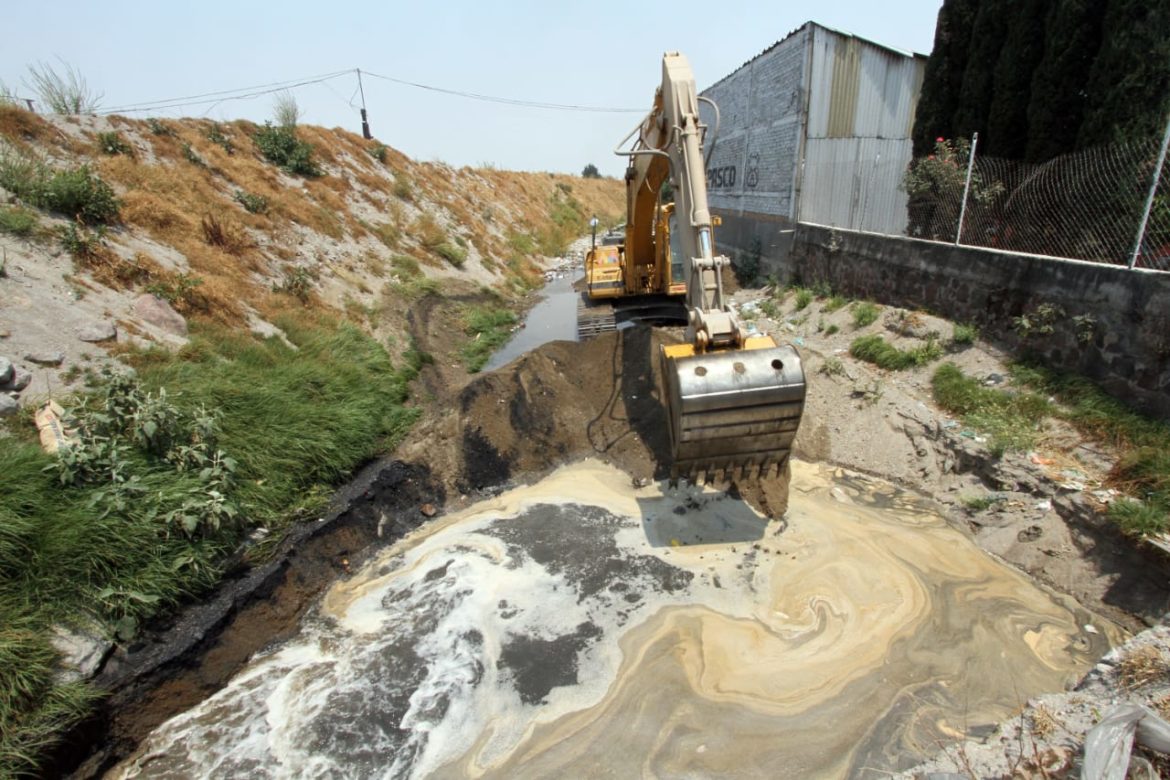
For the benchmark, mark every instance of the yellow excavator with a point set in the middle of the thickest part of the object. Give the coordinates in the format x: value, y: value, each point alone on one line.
x: 734, y: 399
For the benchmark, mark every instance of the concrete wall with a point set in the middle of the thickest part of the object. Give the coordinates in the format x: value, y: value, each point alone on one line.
x: 1124, y: 344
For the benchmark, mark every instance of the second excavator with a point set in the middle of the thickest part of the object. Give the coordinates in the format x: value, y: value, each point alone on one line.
x: 734, y: 399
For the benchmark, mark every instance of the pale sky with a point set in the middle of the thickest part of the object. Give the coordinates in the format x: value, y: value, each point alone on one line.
x: 601, y: 53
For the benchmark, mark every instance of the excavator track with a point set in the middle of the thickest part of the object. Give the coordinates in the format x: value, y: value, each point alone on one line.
x: 597, y: 317
x: 593, y: 319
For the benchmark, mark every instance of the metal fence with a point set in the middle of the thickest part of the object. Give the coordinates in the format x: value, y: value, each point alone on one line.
x: 1109, y: 204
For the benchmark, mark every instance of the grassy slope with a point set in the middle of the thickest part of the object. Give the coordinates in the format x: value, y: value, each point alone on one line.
x: 297, y: 421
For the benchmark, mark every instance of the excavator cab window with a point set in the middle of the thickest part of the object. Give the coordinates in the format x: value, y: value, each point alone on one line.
x: 677, y: 266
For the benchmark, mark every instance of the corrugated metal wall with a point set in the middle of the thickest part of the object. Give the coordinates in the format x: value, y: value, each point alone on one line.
x: 857, y: 146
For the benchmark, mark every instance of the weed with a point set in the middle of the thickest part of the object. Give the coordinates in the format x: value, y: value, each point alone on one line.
x: 964, y: 335
x: 876, y: 350
x: 216, y: 135
x: 769, y: 309
x: 66, y: 93
x: 253, y: 204
x: 81, y: 242
x: 223, y: 234
x: 180, y: 290
x: 979, y: 503
x: 864, y: 313
x: 1012, y: 419
x: 17, y: 221
x: 192, y: 156
x: 1138, y: 518
x: 285, y: 110
x: 488, y: 328
x: 833, y: 366
x: 1142, y: 666
x: 158, y: 127
x: 403, y: 189
x: 281, y: 146
x: 834, y: 303
x: 76, y: 192
x: 378, y: 151
x: 829, y: 331
x: 113, y: 143
x: 388, y: 233
x: 822, y: 290
x: 1085, y: 326
x: 804, y: 297
x: 432, y: 236
x: 297, y: 281
x: 1040, y: 321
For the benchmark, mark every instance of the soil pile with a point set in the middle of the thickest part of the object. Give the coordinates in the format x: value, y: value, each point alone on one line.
x: 562, y: 402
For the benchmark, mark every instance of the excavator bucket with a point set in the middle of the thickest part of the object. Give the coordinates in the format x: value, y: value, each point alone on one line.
x: 734, y: 412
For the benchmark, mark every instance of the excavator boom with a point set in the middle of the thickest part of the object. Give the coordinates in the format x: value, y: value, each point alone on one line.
x: 734, y: 399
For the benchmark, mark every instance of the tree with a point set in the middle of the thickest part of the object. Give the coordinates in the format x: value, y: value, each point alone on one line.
x: 590, y: 172
x: 1023, y: 48
x: 944, y: 74
x: 1128, y: 92
x: 1058, y: 103
x: 990, y: 27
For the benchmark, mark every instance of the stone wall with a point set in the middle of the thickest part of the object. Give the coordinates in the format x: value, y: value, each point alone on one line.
x: 1106, y: 322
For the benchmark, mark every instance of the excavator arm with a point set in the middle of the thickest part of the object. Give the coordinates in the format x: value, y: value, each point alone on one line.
x: 734, y: 400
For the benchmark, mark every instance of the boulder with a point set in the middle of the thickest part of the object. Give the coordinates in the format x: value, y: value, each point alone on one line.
x: 83, y: 651
x: 6, y: 370
x: 155, y: 311
x: 100, y: 331
x: 46, y: 358
x: 20, y: 380
x: 8, y: 405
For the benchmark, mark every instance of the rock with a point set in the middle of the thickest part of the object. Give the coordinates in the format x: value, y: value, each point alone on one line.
x: 6, y: 370
x: 20, y: 380
x: 46, y: 358
x: 155, y: 311
x: 8, y: 405
x: 429, y: 510
x: 82, y: 651
x: 101, y: 331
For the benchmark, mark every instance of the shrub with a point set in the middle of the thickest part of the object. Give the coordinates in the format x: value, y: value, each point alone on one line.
x: 280, y: 146
x: 17, y: 221
x: 216, y: 136
x: 180, y: 290
x: 590, y: 172
x: 834, y: 303
x: 253, y: 204
x: 964, y: 334
x: 403, y: 189
x: 158, y: 127
x: 803, y: 298
x: 285, y: 110
x: 222, y: 234
x: 377, y: 151
x: 75, y: 192
x: 113, y: 143
x: 297, y: 282
x: 192, y: 156
x: 832, y: 329
x: 80, y: 242
x: 864, y: 313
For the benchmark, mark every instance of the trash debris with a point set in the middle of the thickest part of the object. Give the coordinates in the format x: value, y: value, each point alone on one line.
x: 1109, y: 743
x: 798, y: 341
x: 1105, y: 496
x: 1044, y: 506
x: 1089, y: 628
x: 1039, y: 459
x: 50, y: 424
x: 950, y: 424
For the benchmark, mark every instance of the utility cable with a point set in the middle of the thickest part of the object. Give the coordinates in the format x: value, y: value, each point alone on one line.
x: 508, y: 101
x: 229, y: 94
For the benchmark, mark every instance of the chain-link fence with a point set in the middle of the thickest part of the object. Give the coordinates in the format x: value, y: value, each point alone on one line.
x: 1088, y: 205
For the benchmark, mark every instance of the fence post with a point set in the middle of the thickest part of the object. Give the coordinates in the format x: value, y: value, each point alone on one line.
x: 966, y: 187
x: 1141, y: 234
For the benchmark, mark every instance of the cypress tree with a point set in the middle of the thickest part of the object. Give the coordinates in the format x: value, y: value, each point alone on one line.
x: 992, y: 21
x: 1057, y: 106
x: 1023, y: 48
x: 1128, y: 93
x: 943, y: 78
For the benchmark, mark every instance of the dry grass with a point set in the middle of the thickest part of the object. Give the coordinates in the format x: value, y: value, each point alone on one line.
x: 17, y: 124
x: 1143, y: 666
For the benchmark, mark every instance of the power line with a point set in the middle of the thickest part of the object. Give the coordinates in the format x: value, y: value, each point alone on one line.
x: 509, y: 101
x: 227, y: 94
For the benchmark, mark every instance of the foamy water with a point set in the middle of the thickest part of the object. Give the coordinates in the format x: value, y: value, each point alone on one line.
x: 582, y: 628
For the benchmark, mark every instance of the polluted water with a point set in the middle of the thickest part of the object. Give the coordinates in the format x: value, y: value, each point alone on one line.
x: 582, y: 627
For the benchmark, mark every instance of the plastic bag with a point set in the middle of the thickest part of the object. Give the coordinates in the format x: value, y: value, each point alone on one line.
x: 1108, y: 745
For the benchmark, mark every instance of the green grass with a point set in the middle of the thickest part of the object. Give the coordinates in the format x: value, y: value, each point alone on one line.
x: 831, y: 330
x: 76, y: 192
x: 488, y: 327
x: 804, y: 297
x: 297, y: 422
x: 874, y: 349
x: 1012, y: 420
x: 834, y: 303
x: 964, y: 335
x: 409, y: 282
x: 17, y: 221
x: 979, y: 503
x: 865, y: 313
x: 1143, y: 470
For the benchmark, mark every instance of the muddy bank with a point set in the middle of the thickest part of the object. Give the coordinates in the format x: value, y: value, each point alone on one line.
x: 175, y: 666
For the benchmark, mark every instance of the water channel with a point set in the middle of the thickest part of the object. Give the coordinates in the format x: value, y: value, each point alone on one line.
x: 553, y: 318
x: 581, y: 627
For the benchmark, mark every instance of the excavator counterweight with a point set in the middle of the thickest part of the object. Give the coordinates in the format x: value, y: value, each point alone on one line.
x: 734, y: 399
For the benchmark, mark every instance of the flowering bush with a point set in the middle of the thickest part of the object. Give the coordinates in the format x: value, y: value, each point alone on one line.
x: 935, y: 186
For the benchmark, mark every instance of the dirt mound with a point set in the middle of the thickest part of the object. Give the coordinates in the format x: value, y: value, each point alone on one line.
x: 562, y: 402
